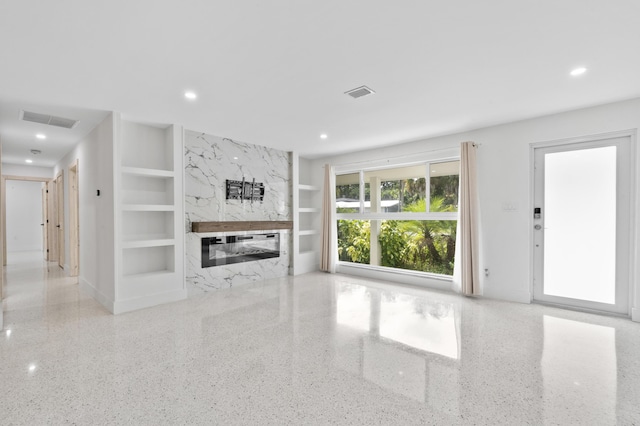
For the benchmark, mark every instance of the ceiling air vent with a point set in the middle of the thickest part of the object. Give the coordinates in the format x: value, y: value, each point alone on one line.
x: 359, y: 92
x: 50, y: 120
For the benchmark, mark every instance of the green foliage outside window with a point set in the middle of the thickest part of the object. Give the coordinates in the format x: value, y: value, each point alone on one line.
x: 353, y: 241
x: 420, y: 245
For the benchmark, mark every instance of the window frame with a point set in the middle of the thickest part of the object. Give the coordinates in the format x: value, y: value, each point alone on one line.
x: 427, y: 215
x: 433, y: 157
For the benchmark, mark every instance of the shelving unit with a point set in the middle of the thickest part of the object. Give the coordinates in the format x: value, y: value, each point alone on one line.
x: 306, y: 224
x: 149, y: 215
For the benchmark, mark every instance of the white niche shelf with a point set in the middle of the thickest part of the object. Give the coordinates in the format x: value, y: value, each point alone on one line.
x: 306, y: 209
x: 150, y: 241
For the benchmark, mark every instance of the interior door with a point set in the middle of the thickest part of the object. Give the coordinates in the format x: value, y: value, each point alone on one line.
x: 52, y: 240
x: 581, y: 224
x: 60, y: 218
x: 45, y: 228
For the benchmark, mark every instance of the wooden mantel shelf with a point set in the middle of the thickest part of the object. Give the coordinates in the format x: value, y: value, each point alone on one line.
x: 240, y: 226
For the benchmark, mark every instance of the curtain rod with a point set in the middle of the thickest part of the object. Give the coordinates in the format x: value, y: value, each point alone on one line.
x: 401, y: 156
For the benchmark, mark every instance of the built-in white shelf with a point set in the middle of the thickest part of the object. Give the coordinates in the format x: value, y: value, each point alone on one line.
x: 148, y: 243
x: 153, y: 274
x: 308, y: 210
x: 127, y: 238
x: 302, y: 187
x: 306, y: 206
x: 148, y: 207
x: 140, y: 171
x: 150, y: 212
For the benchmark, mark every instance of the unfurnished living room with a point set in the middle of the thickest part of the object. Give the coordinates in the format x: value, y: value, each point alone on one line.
x: 310, y: 213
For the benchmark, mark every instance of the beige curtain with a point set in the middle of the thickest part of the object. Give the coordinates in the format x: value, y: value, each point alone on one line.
x: 329, y: 231
x: 467, y: 262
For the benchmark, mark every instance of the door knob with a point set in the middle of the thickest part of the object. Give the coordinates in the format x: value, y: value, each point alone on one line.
x: 537, y: 227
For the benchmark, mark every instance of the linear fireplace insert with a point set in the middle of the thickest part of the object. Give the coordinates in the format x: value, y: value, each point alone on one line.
x: 218, y: 251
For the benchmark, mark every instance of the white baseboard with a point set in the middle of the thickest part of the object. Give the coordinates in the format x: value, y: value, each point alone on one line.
x: 635, y: 314
x: 148, y: 301
x: 514, y: 296
x: 93, y: 292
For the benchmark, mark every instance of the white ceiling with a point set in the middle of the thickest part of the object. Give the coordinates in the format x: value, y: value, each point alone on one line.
x: 274, y: 72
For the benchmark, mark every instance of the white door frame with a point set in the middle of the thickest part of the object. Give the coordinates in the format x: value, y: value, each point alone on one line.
x: 59, y: 185
x: 634, y: 287
x: 74, y: 220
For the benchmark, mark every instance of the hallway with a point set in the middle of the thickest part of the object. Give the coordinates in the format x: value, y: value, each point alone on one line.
x: 39, y: 290
x: 312, y: 349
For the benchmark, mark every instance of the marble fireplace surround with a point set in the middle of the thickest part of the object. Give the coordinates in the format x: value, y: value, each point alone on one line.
x: 209, y: 162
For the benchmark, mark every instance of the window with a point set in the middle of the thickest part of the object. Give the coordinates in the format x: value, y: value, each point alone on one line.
x: 384, y: 218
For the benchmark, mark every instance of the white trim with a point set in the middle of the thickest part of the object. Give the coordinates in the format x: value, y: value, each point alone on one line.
x: 97, y: 295
x: 398, y: 216
x: 416, y: 278
x: 438, y: 155
x: 517, y: 296
x: 587, y: 138
x: 147, y: 301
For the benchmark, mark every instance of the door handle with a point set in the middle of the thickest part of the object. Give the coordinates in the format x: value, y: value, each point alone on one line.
x: 537, y: 227
x: 42, y: 224
x: 57, y: 226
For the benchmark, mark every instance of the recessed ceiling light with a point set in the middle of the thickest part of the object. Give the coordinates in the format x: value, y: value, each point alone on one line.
x: 323, y: 136
x: 28, y: 160
x: 578, y: 71
x: 32, y: 368
x: 190, y: 95
x: 235, y: 158
x: 41, y: 136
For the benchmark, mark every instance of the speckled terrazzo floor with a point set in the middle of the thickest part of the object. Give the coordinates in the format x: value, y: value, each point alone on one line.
x: 314, y: 349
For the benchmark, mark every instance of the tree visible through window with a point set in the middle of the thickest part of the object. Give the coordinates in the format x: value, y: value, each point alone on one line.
x: 425, y: 244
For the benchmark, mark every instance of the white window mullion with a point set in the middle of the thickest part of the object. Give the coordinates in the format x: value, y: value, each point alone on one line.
x: 398, y: 216
x: 362, y: 191
x: 428, y: 188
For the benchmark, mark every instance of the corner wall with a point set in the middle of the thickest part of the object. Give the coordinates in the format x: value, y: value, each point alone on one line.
x: 505, y: 178
x: 95, y: 171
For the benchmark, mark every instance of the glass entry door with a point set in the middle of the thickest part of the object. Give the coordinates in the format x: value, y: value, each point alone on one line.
x: 581, y: 225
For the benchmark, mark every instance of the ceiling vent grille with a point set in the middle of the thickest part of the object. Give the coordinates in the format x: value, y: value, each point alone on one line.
x: 359, y: 92
x: 50, y: 120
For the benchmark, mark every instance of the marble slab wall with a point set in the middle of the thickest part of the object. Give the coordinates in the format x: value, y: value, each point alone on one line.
x: 209, y: 162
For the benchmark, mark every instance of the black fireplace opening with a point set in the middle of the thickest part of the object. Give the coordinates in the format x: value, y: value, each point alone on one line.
x: 217, y: 251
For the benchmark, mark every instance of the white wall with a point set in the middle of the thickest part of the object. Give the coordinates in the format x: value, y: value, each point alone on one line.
x: 504, y: 177
x: 30, y: 171
x: 24, y: 215
x: 95, y: 171
x: 1, y: 249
